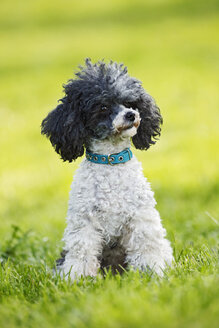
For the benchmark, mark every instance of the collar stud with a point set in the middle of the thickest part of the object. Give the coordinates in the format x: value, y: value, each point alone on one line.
x: 111, y: 159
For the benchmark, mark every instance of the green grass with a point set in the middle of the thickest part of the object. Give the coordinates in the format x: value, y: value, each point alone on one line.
x: 173, y: 47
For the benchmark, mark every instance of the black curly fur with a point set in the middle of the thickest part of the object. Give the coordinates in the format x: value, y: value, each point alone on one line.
x: 65, y: 129
x: 151, y: 120
x: 78, y: 117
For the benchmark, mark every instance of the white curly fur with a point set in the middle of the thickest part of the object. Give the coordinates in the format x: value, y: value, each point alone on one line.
x: 111, y: 216
x: 110, y: 202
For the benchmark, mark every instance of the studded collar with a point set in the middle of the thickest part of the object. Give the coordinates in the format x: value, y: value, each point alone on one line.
x: 111, y: 159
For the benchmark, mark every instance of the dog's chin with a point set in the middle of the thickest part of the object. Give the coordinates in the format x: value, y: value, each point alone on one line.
x: 128, y: 132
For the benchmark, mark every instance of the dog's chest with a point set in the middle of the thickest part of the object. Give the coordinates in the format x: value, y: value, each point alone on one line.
x: 110, y: 195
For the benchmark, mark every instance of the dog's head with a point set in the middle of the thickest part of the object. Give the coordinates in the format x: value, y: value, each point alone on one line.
x: 102, y: 102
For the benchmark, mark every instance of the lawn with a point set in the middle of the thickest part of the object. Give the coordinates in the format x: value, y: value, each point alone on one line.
x: 173, y: 48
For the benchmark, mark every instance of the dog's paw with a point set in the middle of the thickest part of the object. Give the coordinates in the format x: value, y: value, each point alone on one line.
x: 149, y: 269
x: 151, y: 262
x: 75, y: 269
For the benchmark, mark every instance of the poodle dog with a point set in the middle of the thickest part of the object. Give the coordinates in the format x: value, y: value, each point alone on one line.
x: 111, y: 218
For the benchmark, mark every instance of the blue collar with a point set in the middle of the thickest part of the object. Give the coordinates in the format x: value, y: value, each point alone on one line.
x: 122, y: 157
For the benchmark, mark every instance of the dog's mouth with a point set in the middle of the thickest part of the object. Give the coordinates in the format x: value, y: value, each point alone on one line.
x: 125, y: 127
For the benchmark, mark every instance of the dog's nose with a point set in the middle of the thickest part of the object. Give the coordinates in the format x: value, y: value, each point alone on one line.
x: 130, y: 116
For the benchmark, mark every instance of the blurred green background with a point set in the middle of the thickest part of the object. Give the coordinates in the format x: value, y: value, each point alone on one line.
x: 172, y: 46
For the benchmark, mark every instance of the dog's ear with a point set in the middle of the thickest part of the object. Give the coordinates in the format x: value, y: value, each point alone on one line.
x: 65, y: 129
x: 151, y: 120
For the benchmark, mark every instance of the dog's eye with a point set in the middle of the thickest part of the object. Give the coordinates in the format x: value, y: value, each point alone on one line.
x: 104, y: 108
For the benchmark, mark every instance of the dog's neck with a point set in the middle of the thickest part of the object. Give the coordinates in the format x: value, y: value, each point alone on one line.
x: 108, y: 146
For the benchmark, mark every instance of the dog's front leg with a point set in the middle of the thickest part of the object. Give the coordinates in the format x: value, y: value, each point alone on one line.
x: 145, y: 243
x: 82, y: 247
